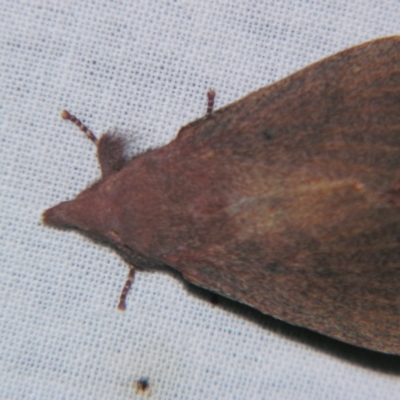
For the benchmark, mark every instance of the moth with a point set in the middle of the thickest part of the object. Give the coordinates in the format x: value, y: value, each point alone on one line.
x: 287, y: 200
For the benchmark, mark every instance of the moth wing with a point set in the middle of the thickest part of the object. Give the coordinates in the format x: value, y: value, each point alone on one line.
x: 299, y: 208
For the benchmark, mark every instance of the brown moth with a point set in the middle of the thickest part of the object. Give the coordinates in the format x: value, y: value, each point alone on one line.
x: 287, y: 200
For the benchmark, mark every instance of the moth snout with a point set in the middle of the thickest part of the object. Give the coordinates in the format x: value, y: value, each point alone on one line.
x: 58, y: 216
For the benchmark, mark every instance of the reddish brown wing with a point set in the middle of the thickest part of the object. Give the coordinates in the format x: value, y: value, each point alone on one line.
x: 290, y: 198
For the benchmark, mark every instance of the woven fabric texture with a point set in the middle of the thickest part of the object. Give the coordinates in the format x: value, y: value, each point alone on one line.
x: 144, y: 68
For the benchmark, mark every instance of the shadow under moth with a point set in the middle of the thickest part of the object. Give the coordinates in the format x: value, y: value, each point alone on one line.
x: 287, y: 200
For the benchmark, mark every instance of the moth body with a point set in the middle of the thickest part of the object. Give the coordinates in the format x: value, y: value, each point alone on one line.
x: 287, y: 200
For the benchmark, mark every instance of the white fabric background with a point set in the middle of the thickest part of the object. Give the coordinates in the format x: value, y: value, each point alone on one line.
x: 144, y: 67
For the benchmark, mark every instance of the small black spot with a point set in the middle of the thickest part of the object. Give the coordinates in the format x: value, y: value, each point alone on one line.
x: 142, y: 385
x: 274, y: 267
x: 325, y: 272
x: 267, y: 134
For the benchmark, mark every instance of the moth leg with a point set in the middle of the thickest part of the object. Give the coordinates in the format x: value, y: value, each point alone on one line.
x: 125, y: 290
x: 210, y: 101
x: 110, y: 147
